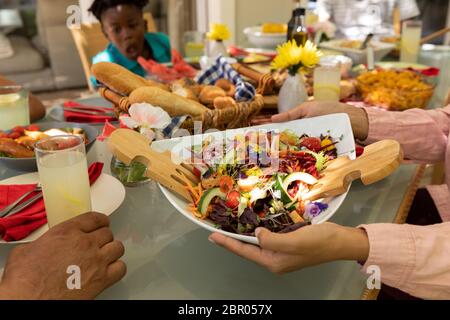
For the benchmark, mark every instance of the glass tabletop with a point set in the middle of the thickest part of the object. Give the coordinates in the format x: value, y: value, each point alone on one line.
x: 168, y: 257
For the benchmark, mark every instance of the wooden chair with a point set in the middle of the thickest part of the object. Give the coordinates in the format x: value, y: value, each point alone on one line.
x: 90, y: 40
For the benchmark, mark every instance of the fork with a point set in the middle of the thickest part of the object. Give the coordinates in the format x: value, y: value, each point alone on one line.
x: 91, y: 112
x: 16, y: 203
x: 25, y: 204
x: 128, y: 145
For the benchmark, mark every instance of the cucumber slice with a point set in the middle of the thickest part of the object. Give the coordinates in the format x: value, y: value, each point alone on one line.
x: 207, y: 197
x: 243, y: 203
x: 285, y: 198
x: 292, y: 205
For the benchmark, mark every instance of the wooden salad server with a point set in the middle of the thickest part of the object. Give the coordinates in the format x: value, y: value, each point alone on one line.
x: 378, y: 161
x: 128, y: 146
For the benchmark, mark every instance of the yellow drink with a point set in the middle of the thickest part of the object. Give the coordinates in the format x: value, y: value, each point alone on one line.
x: 327, y: 84
x: 410, y: 43
x: 13, y: 107
x: 194, y: 49
x: 65, y: 183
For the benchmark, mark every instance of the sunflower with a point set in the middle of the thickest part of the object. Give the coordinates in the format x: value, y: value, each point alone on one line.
x: 219, y: 32
x: 310, y: 55
x: 291, y: 56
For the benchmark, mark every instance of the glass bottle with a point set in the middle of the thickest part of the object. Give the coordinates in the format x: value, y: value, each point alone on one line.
x: 299, y: 30
x: 292, y: 20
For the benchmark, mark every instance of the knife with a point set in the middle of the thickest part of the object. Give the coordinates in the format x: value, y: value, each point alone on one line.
x: 95, y: 113
x: 25, y: 204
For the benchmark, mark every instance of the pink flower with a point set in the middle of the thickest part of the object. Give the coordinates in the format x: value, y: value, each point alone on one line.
x: 146, y: 118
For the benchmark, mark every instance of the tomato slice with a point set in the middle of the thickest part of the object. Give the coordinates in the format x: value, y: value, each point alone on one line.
x: 14, y: 135
x: 312, y: 144
x: 197, y: 172
x: 232, y: 200
x: 18, y: 129
x: 226, y: 184
x: 33, y: 127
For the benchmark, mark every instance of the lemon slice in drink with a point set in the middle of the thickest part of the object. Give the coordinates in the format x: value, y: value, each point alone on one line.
x: 9, y: 98
x: 327, y: 91
x: 75, y: 204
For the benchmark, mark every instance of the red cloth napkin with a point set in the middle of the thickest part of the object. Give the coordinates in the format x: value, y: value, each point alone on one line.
x: 20, y: 225
x: 74, y: 116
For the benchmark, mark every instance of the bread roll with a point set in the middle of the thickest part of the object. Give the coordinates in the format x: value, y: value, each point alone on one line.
x: 348, y: 89
x: 209, y: 93
x: 224, y: 102
x: 184, y: 92
x: 227, y: 86
x: 172, y: 103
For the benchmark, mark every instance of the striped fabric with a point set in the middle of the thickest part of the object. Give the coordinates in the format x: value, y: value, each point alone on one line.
x: 222, y: 69
x: 357, y: 18
x: 169, y: 131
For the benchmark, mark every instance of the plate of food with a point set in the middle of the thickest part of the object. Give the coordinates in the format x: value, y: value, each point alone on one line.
x: 17, y: 145
x: 262, y: 187
x: 107, y: 194
x: 352, y: 49
x: 395, y: 89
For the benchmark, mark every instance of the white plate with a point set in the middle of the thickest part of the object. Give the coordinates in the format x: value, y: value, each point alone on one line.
x: 107, y: 194
x: 337, y: 125
x: 381, y: 49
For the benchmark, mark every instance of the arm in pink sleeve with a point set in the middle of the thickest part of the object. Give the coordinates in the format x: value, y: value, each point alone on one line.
x: 423, y: 134
x: 414, y: 259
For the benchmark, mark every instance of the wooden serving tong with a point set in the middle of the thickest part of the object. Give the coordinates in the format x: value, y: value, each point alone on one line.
x: 378, y: 161
x: 128, y: 146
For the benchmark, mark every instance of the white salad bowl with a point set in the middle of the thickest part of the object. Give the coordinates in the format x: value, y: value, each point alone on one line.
x: 381, y: 49
x: 337, y: 126
x: 264, y: 40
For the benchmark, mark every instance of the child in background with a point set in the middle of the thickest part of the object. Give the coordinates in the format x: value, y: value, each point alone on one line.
x: 124, y: 25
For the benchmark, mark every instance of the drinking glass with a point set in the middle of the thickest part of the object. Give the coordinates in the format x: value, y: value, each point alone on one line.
x: 194, y: 44
x: 327, y: 81
x: 14, y: 109
x: 410, y: 43
x: 63, y: 174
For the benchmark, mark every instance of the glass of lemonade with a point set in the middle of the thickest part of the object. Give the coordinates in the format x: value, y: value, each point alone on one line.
x: 14, y: 109
x: 410, y: 43
x: 194, y: 44
x: 327, y: 83
x: 64, y: 177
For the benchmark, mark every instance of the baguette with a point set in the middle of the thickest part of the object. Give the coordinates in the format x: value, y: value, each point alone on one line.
x: 117, y: 78
x: 120, y: 79
x: 173, y: 104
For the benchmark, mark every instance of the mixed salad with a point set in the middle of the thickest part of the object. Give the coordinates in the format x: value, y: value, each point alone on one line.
x: 239, y: 194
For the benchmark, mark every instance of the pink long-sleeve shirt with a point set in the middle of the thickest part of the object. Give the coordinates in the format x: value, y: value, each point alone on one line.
x: 415, y: 259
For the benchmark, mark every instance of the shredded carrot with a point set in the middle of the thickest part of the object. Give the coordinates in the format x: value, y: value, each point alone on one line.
x: 195, y: 212
x: 189, y: 186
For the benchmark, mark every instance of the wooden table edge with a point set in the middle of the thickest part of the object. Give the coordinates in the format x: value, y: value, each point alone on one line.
x: 400, y: 218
